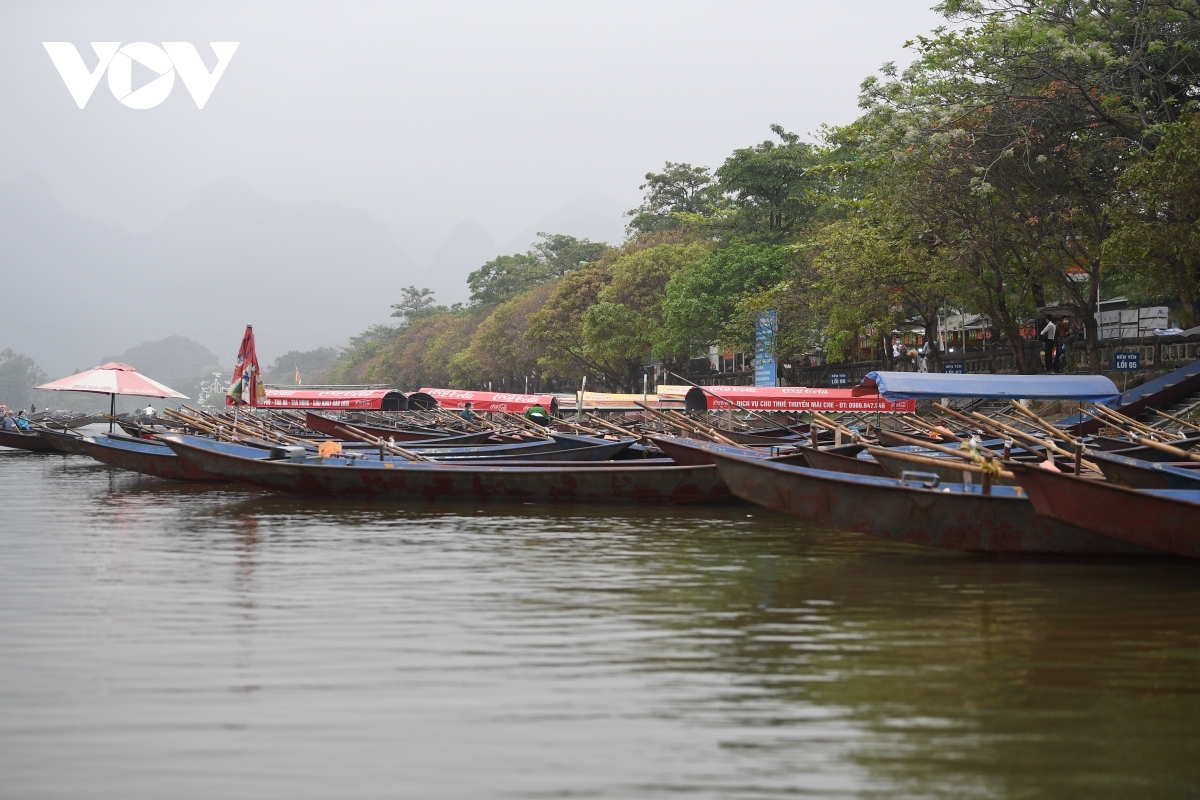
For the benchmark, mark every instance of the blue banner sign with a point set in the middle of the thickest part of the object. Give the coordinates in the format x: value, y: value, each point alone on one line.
x: 1129, y: 361
x: 765, y: 370
x: 839, y: 378
x: 952, y: 367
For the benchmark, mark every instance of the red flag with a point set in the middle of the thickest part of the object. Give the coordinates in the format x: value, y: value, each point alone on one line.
x: 245, y: 387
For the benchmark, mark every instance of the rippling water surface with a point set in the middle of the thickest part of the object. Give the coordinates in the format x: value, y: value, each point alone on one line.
x: 170, y: 641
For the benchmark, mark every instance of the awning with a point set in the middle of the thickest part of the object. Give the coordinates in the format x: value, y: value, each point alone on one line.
x: 933, y: 386
x: 335, y: 399
x: 600, y: 401
x: 491, y: 401
x: 791, y: 398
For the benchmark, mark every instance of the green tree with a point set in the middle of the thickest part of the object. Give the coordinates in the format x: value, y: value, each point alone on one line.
x: 500, y: 351
x: 773, y: 186
x: 414, y: 304
x: 678, y: 189
x: 506, y: 277
x: 626, y: 328
x: 1155, y: 245
x: 701, y: 301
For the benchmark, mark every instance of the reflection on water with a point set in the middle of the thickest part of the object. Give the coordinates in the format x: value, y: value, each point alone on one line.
x: 159, y: 640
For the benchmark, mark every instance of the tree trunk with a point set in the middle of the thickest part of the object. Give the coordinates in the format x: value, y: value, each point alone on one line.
x: 1091, y: 327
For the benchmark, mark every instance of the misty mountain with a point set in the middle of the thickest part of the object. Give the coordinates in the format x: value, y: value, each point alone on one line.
x: 589, y: 216
x: 465, y: 249
x: 305, y: 275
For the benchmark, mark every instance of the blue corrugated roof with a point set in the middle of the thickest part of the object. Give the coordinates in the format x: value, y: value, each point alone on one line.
x: 931, y: 386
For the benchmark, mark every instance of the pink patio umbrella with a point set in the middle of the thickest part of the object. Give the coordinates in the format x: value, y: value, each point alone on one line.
x: 112, y: 379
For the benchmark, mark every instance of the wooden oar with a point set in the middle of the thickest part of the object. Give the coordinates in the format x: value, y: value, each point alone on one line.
x: 1183, y: 455
x: 623, y: 431
x: 1176, y: 419
x: 1130, y: 422
x: 382, y: 444
x: 950, y: 451
x: 901, y: 455
x: 1041, y: 423
x: 1047, y: 443
x: 685, y: 427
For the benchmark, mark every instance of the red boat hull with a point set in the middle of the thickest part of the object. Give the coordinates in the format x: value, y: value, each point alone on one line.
x: 889, y: 509
x: 1141, y: 518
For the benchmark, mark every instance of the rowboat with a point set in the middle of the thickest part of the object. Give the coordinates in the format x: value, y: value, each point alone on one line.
x: 836, y: 462
x: 1135, y: 474
x: 146, y: 457
x: 32, y: 441
x: 945, y: 467
x: 696, y: 453
x: 889, y: 439
x: 915, y: 511
x: 1145, y: 453
x: 323, y: 424
x: 389, y: 479
x: 1168, y: 520
x: 592, y: 452
x: 63, y: 441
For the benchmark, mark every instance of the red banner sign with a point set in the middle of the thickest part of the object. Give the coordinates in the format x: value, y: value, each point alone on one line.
x: 334, y: 399
x: 492, y: 401
x: 793, y: 398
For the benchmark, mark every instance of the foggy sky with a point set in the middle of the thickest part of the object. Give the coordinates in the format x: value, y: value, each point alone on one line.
x: 424, y: 116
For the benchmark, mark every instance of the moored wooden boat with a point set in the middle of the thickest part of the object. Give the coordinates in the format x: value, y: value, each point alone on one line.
x: 947, y: 517
x: 482, y: 483
x: 889, y: 439
x: 1146, y: 453
x: 32, y: 441
x: 65, y: 441
x: 1168, y: 520
x: 144, y: 456
x: 835, y: 462
x: 945, y: 467
x: 1135, y: 474
x: 329, y: 427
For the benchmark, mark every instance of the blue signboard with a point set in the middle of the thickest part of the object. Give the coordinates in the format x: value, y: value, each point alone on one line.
x: 839, y: 378
x: 952, y: 367
x: 765, y: 372
x: 1129, y: 361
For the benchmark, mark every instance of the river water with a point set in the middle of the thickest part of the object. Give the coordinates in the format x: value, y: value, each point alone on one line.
x: 178, y: 641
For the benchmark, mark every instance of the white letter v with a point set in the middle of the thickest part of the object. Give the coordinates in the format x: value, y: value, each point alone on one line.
x: 80, y: 83
x: 196, y: 77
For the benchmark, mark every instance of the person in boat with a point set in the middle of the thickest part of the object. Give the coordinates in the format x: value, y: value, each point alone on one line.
x: 466, y: 412
x: 22, y: 421
x: 538, y: 415
x: 9, y: 424
x: 1049, y: 334
x: 149, y: 411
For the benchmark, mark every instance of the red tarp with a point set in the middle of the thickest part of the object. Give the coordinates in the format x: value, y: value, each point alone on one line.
x: 794, y: 398
x: 335, y: 399
x: 492, y: 401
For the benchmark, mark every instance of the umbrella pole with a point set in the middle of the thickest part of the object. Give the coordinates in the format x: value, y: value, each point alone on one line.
x: 112, y: 411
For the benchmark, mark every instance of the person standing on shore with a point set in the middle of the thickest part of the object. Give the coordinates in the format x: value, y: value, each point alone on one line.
x: 1049, y: 333
x: 1060, y: 350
